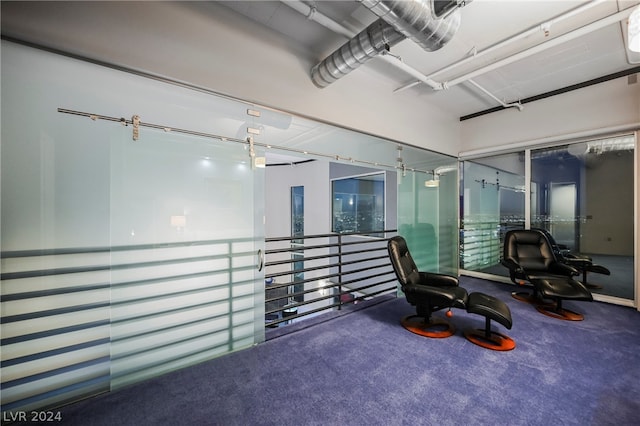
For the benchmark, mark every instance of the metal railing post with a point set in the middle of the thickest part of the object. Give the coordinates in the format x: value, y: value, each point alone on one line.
x: 339, y: 271
x: 358, y: 266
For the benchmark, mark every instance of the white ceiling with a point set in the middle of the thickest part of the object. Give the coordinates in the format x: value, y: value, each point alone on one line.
x: 177, y: 34
x: 484, y: 23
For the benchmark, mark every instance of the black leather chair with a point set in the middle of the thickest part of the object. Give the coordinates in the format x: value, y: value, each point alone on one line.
x: 582, y: 262
x: 530, y: 257
x: 430, y: 292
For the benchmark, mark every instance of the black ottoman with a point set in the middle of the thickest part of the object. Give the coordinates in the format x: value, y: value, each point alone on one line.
x: 492, y: 309
x: 557, y: 290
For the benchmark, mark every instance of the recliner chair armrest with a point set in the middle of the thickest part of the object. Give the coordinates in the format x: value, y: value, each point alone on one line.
x: 512, y: 265
x: 439, y: 297
x: 438, y: 280
x: 578, y: 261
x: 563, y: 269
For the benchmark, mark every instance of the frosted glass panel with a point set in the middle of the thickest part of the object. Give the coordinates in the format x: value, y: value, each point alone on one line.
x: 182, y: 220
x: 55, y: 227
x: 314, y: 139
x: 427, y: 211
x: 139, y: 257
x: 120, y: 258
x: 168, y: 187
x: 493, y: 194
x: 428, y: 216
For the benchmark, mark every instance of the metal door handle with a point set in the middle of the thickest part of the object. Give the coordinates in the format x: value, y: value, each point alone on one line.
x: 260, y: 260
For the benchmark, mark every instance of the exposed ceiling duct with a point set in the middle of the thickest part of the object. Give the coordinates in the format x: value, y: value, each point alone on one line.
x: 417, y: 20
x: 369, y: 43
x: 399, y: 19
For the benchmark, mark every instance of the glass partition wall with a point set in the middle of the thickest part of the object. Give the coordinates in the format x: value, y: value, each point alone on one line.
x: 585, y: 199
x: 428, y: 211
x: 581, y: 193
x: 133, y: 221
x: 115, y: 267
x: 414, y: 191
x: 493, y: 201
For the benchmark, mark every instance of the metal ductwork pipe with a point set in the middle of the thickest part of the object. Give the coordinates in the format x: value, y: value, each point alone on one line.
x: 399, y: 19
x: 370, y: 42
x: 417, y: 21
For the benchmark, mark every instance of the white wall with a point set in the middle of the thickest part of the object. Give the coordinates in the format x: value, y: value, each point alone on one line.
x: 314, y: 176
x: 208, y: 45
x: 609, y: 207
x: 605, y: 105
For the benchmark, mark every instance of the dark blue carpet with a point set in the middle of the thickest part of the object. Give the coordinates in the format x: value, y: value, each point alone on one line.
x: 363, y: 368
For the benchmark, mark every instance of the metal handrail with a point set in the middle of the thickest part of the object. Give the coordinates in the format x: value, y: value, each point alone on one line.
x: 369, y: 276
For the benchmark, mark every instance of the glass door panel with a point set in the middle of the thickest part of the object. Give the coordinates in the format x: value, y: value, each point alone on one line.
x: 428, y: 211
x: 184, y: 252
x: 425, y: 214
x: 55, y: 240
x: 121, y: 259
x: 585, y: 200
x: 435, y: 205
x: 493, y: 202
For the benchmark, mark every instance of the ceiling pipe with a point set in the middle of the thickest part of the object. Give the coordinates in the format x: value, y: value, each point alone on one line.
x: 313, y: 15
x: 587, y: 29
x: 556, y: 92
x: 311, y: 12
x: 495, y: 98
x: 397, y: 62
x: 398, y: 20
x: 474, y: 55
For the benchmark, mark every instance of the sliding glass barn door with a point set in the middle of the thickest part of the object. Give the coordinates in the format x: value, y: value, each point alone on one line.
x: 122, y: 259
x: 185, y: 278
x: 428, y: 210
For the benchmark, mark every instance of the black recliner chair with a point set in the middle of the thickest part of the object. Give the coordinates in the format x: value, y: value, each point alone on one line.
x: 582, y: 262
x: 430, y: 292
x: 529, y: 256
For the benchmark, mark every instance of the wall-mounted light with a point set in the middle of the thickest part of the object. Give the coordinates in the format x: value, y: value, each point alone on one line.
x: 260, y: 162
x: 178, y: 222
x: 633, y: 30
x: 432, y: 183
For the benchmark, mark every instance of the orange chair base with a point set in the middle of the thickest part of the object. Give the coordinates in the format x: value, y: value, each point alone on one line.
x: 435, y: 328
x: 563, y: 314
x: 525, y: 297
x: 495, y: 341
x: 548, y: 309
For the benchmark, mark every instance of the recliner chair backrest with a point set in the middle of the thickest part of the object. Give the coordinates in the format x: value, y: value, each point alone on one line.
x: 530, y: 249
x: 402, y: 261
x: 547, y: 234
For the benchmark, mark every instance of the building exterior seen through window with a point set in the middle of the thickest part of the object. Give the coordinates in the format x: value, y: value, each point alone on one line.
x: 358, y: 204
